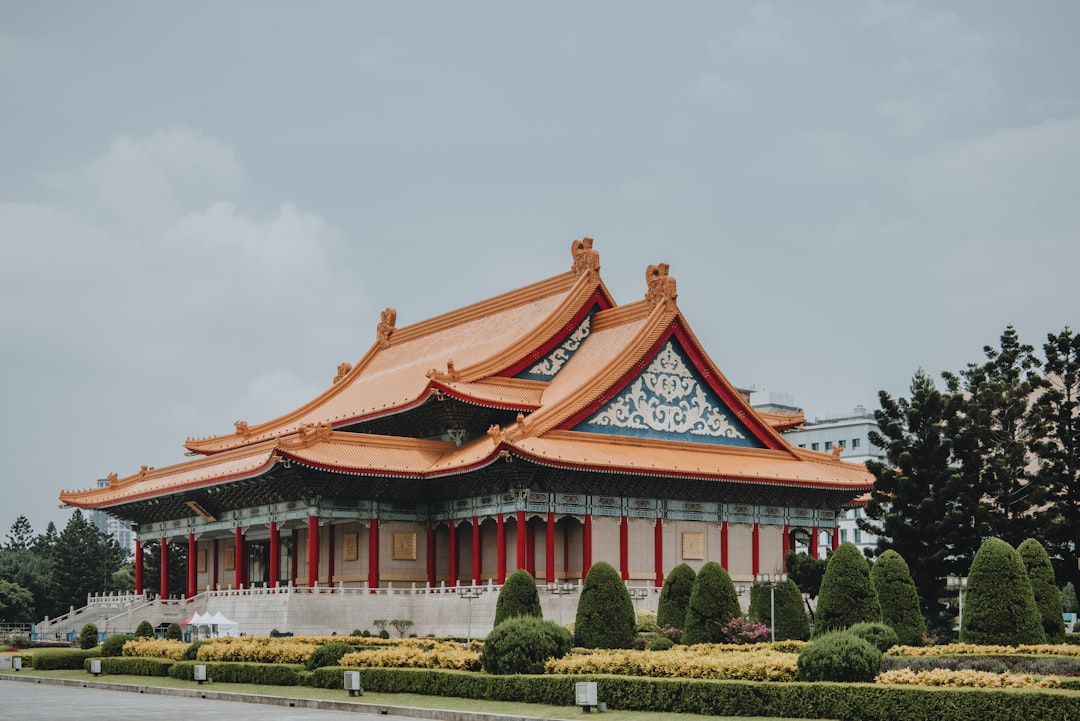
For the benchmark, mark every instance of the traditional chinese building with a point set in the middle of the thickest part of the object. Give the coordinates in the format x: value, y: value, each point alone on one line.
x: 548, y: 428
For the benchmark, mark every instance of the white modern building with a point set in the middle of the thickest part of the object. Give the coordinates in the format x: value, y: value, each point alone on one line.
x: 120, y: 530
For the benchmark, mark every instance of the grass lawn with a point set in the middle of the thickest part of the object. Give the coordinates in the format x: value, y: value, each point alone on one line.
x: 391, y: 699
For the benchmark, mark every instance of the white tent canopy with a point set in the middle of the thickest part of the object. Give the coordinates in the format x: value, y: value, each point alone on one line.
x: 212, y: 626
x: 223, y: 626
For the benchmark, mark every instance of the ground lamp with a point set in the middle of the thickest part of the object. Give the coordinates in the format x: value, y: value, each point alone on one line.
x: 766, y: 580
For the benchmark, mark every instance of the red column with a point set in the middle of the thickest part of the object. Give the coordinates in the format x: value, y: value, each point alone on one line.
x: 138, y: 567
x: 312, y: 551
x: 191, y: 560
x: 215, y: 581
x: 501, y: 543
x: 521, y: 539
x: 431, y: 554
x: 453, y: 554
x: 835, y: 538
x: 164, y: 554
x: 814, y: 542
x: 239, y: 565
x: 724, y: 545
x: 477, y: 565
x: 624, y: 548
x: 275, y: 555
x: 373, y: 555
x: 755, y: 544
x: 658, y: 536
x: 785, y: 544
x: 549, y: 548
x: 294, y: 559
x: 330, y: 555
x: 530, y: 550
x: 586, y: 546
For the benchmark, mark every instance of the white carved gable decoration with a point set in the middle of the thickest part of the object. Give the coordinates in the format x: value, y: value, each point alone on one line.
x: 667, y: 398
x: 558, y: 357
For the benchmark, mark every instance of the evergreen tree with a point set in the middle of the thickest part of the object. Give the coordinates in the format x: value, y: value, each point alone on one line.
x: 30, y: 570
x: 1069, y: 602
x: 518, y: 597
x: 1057, y: 412
x: 898, y: 597
x: 44, y: 543
x: 21, y: 535
x: 791, y: 619
x: 847, y: 596
x: 713, y: 602
x: 1043, y: 584
x: 999, y: 604
x: 16, y: 604
x: 805, y: 571
x: 84, y: 560
x: 674, y: 597
x: 605, y: 614
x: 918, y: 506
x: 176, y: 569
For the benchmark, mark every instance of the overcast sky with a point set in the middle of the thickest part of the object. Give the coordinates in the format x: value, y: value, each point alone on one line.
x: 205, y: 205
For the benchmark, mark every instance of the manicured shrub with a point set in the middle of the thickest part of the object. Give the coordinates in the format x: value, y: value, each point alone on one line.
x: 384, y: 633
x: 88, y: 636
x: 518, y: 597
x: 192, y: 652
x: 114, y: 645
x: 899, y: 598
x: 713, y: 603
x: 605, y: 613
x: 792, y: 622
x: 270, y: 674
x: 523, y: 644
x: 660, y: 643
x: 881, y: 635
x: 1043, y: 584
x: 57, y: 659
x: 675, y: 597
x: 328, y: 655
x: 133, y: 666
x: 847, y: 596
x: 839, y: 656
x: 999, y: 604
x: 174, y: 632
x: 144, y: 630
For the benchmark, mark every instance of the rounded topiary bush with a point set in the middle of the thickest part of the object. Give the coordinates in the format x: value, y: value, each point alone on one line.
x: 792, y: 622
x: 114, y: 645
x: 518, y: 597
x: 713, y: 603
x: 191, y: 653
x: 605, y: 613
x: 660, y: 643
x: 144, y: 630
x: 899, y: 598
x: 1044, y: 585
x: 88, y: 636
x: 999, y: 606
x: 174, y: 632
x: 847, y: 597
x: 881, y: 635
x: 328, y: 655
x: 839, y: 656
x: 523, y: 644
x: 675, y: 597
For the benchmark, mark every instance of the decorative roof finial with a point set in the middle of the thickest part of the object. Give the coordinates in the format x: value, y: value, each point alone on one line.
x: 836, y: 451
x: 386, y: 327
x: 586, y: 259
x: 242, y: 428
x: 342, y: 371
x: 661, y: 286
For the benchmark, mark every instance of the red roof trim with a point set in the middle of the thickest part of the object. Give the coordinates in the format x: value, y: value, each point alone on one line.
x: 596, y: 299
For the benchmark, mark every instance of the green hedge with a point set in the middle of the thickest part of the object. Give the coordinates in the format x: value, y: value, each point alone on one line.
x: 67, y: 659
x: 133, y: 665
x: 270, y: 674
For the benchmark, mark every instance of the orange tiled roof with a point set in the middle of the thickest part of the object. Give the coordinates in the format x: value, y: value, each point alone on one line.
x: 783, y: 421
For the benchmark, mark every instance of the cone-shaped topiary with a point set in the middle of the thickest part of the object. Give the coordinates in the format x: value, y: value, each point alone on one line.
x: 675, y: 596
x: 847, y: 596
x: 899, y: 598
x: 999, y: 606
x: 1069, y: 602
x: 144, y: 630
x: 792, y: 623
x: 523, y: 644
x: 518, y: 597
x: 174, y: 632
x: 1043, y: 584
x: 713, y: 603
x: 605, y: 613
x: 88, y: 636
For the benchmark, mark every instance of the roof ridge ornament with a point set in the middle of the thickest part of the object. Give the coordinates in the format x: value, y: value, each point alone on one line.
x: 308, y: 434
x: 586, y: 260
x: 836, y: 451
x: 661, y: 286
x: 342, y: 371
x: 242, y: 428
x: 386, y: 327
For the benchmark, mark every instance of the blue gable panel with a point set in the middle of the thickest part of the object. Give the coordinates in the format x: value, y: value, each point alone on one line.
x: 670, y: 401
x: 554, y: 361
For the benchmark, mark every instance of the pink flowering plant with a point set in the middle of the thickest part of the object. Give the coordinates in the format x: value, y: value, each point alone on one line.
x: 740, y: 630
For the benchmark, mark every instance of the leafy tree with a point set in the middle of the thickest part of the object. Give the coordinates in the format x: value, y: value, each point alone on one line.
x: 16, y: 603
x: 847, y: 596
x: 1000, y: 607
x: 402, y: 626
x: 898, y: 597
x: 1043, y: 584
x: 1069, y: 602
x: 83, y: 560
x: 805, y: 571
x: 21, y: 535
x: 713, y: 603
x: 605, y: 613
x: 918, y: 506
x: 518, y: 597
x: 29, y: 570
x: 791, y: 619
x: 675, y: 596
x: 1057, y: 412
x: 88, y: 636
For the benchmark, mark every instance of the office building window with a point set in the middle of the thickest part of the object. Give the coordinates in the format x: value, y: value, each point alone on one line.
x: 813, y: 446
x: 828, y: 445
x: 843, y: 535
x: 802, y: 445
x: 856, y: 442
x: 843, y: 444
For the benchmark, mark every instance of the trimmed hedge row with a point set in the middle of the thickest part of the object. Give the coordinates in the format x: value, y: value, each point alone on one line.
x: 63, y: 659
x: 269, y: 674
x: 133, y: 665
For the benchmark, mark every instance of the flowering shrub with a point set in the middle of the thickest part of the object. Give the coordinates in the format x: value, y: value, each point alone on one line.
x: 978, y: 679
x: 741, y: 631
x: 155, y: 648
x: 758, y: 662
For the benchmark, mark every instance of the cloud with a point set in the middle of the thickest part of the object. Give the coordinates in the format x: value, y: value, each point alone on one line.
x: 766, y: 31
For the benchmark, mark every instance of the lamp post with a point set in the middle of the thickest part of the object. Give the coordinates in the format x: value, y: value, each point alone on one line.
x: 468, y: 593
x: 766, y: 580
x: 959, y: 584
x: 560, y: 590
x: 637, y: 594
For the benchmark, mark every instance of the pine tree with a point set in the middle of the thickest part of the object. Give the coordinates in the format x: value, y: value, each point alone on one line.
x: 84, y: 560
x: 1043, y: 584
x: 21, y: 535
x: 999, y: 604
x: 674, y: 597
x: 899, y: 599
x: 847, y: 596
x: 44, y: 543
x: 713, y: 602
